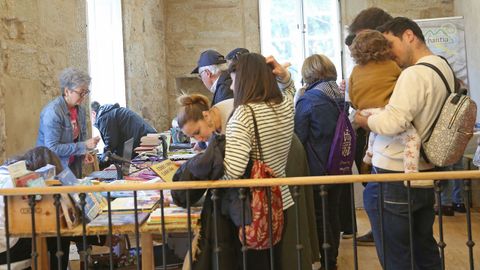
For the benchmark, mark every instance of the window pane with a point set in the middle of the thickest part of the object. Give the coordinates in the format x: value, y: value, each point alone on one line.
x: 323, y: 30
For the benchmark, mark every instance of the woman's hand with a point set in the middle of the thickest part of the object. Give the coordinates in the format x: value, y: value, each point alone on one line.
x: 92, y: 142
x: 278, y: 70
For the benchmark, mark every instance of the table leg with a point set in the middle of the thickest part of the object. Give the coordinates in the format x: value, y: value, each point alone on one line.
x: 146, y: 242
x: 42, y: 253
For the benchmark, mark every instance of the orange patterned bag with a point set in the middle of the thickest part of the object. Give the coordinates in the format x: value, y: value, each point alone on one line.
x: 257, y: 234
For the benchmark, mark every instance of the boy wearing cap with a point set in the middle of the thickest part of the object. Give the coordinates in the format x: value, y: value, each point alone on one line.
x: 212, y: 70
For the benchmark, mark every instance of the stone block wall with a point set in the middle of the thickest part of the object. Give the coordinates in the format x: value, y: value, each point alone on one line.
x: 38, y: 38
x: 145, y: 62
x: 413, y: 9
x: 194, y: 26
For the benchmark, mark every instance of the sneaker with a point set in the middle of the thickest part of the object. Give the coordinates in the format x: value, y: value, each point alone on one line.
x: 447, y: 211
x: 366, y: 240
x: 459, y: 207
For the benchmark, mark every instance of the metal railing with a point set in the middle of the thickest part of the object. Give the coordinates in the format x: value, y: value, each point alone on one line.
x: 295, y: 182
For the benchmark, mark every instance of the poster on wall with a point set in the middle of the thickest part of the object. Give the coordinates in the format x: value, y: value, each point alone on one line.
x: 446, y: 37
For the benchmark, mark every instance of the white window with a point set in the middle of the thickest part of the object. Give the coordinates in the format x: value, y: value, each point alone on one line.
x: 105, y: 53
x: 292, y: 30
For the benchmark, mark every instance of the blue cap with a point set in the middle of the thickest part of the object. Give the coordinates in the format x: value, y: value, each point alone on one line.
x: 235, y: 52
x: 208, y: 58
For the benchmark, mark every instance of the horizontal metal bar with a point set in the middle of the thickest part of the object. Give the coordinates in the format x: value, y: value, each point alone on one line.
x: 310, y: 180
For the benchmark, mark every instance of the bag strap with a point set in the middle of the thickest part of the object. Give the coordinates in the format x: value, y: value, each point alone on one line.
x: 449, y: 91
x: 257, y: 135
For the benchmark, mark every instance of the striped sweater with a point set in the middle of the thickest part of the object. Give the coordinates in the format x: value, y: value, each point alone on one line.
x: 275, y: 127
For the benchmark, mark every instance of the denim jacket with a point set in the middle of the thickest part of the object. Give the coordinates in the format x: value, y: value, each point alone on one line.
x: 56, y: 131
x: 316, y: 118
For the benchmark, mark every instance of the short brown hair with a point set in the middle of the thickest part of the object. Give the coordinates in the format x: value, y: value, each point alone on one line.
x: 191, y: 108
x: 254, y: 81
x: 399, y: 25
x: 370, y: 45
x: 318, y: 67
x: 369, y: 18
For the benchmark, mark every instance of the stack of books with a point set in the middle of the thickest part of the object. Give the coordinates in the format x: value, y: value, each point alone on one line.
x: 174, y: 216
x: 148, y: 143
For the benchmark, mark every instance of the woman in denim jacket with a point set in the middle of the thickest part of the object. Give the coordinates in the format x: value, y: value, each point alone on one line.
x: 63, y: 127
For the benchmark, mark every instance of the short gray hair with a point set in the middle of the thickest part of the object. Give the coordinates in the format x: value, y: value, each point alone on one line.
x: 72, y: 78
x: 214, y: 69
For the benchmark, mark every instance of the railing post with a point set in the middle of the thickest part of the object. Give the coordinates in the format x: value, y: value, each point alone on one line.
x: 7, y: 231
x: 467, y: 185
x: 270, y: 227
x: 32, y: 203
x: 110, y: 228
x: 137, y: 230
x: 410, y: 225
x: 354, y: 226
x: 382, y: 229
x: 164, y: 233
x: 59, y: 252
x: 215, y: 226
x: 189, y: 220
x: 84, y: 253
x: 441, y: 244
x: 299, y: 246
x: 325, y: 245
x: 243, y: 197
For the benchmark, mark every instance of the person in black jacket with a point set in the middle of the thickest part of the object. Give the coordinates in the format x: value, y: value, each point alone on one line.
x: 212, y: 70
x: 117, y: 124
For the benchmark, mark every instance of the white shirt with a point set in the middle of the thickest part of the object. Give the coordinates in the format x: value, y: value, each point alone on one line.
x: 225, y: 108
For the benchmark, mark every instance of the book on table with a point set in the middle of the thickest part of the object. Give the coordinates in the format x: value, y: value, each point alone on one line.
x: 118, y: 219
x: 165, y: 169
x: 174, y: 215
x: 144, y: 204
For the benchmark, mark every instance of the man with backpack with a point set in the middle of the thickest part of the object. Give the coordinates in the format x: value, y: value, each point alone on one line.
x: 417, y: 99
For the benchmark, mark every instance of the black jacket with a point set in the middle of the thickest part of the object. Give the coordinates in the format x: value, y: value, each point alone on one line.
x: 117, y: 124
x: 209, y: 166
x: 222, y: 91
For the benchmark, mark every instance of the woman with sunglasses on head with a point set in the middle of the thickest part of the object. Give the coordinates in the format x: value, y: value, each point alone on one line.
x: 63, y: 126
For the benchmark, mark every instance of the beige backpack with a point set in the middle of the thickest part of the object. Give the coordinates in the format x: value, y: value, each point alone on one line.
x: 453, y: 128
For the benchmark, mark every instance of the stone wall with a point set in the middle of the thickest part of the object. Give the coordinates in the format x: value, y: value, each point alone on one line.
x: 145, y: 63
x: 38, y: 39
x: 194, y: 26
x: 413, y: 9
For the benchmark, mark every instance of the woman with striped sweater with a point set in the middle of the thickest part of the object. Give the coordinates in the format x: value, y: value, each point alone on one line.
x: 266, y: 86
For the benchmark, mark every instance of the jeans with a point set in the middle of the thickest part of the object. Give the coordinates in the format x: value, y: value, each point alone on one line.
x: 453, y: 189
x: 396, y: 227
x: 370, y: 203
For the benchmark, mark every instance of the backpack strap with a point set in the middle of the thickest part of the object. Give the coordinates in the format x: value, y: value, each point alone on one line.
x: 257, y: 135
x: 449, y: 91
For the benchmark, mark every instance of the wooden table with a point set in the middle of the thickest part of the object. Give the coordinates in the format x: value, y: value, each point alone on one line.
x: 147, y: 233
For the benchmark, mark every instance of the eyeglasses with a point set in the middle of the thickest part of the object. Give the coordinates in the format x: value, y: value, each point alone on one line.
x: 200, y: 73
x: 82, y: 93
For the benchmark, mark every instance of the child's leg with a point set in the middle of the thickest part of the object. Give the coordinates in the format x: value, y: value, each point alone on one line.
x: 369, y: 153
x: 411, y: 154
